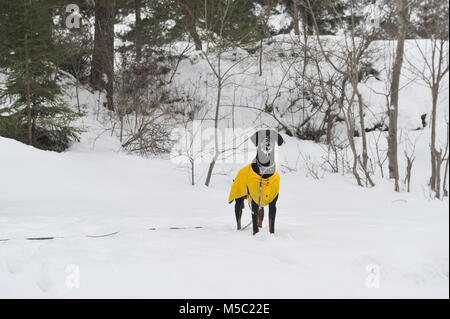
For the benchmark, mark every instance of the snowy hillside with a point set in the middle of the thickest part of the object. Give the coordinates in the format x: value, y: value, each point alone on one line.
x: 332, y: 237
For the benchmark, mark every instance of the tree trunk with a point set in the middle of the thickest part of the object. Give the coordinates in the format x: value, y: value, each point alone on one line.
x: 438, y: 157
x: 444, y: 187
x: 27, y: 82
x: 394, y: 92
x: 193, y: 33
x: 296, y: 18
x: 77, y: 91
x: 121, y: 129
x: 216, y: 122
x: 445, y: 190
x: 192, y: 172
x: 103, y: 56
x: 363, y: 128
x: 190, y: 24
x: 351, y: 140
x: 330, y: 123
x: 138, y: 41
x: 28, y: 92
x: 307, y: 19
x: 261, y: 50
x: 434, y: 167
x: 409, y: 165
x: 216, y: 135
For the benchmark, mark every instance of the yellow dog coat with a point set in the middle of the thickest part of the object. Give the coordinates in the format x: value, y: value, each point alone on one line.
x: 247, y: 183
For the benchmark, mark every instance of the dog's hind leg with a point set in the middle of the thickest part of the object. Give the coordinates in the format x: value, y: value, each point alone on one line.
x: 238, y: 206
x: 272, y: 214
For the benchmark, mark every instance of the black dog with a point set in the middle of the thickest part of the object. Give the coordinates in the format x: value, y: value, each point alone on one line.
x: 267, y: 182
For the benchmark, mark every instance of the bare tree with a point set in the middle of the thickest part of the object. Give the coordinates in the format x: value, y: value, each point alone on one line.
x: 188, y: 148
x: 446, y: 158
x: 432, y: 69
x: 216, y: 45
x: 410, y: 150
x: 348, y: 64
x: 142, y: 107
x: 381, y: 154
x: 403, y: 13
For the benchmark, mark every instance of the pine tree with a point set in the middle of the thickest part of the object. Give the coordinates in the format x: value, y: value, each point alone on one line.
x: 29, y: 58
x: 241, y: 27
x: 327, y: 13
x: 431, y: 19
x: 166, y: 21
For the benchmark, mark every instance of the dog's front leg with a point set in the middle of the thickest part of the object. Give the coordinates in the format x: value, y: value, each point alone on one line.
x: 272, y: 214
x: 238, y: 206
x: 255, y: 217
x: 260, y: 217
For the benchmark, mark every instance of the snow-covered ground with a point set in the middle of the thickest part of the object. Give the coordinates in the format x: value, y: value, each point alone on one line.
x: 333, y: 238
x: 329, y: 233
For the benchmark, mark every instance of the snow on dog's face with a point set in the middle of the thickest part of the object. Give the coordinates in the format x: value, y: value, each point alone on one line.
x: 265, y: 141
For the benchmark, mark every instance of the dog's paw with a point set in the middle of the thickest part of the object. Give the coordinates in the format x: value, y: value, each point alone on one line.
x: 272, y: 236
x: 261, y: 236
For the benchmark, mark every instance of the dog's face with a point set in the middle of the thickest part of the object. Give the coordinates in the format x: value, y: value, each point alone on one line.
x: 265, y: 141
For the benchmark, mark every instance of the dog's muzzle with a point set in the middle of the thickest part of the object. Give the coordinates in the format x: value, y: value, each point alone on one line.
x: 267, y: 151
x: 267, y: 147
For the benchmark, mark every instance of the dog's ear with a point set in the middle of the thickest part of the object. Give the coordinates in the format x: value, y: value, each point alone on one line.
x: 280, y: 140
x: 254, y: 138
x: 276, y: 137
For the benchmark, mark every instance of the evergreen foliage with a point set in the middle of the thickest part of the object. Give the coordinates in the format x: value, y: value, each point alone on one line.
x: 32, y: 109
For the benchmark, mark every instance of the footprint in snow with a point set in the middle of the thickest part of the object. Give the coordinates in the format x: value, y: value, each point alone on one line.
x: 14, y: 266
x: 44, y: 282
